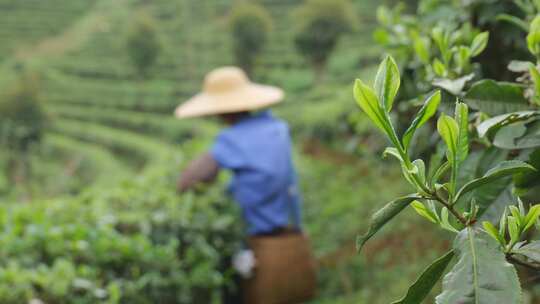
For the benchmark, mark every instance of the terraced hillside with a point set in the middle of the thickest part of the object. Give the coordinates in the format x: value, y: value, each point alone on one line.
x: 95, y: 97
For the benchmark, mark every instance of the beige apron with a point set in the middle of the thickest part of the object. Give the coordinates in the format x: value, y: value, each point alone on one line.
x: 285, y: 271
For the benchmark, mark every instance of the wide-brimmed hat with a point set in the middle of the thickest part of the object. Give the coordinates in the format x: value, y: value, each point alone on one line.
x: 228, y: 90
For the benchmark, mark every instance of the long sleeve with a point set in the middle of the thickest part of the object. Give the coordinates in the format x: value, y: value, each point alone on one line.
x: 201, y: 170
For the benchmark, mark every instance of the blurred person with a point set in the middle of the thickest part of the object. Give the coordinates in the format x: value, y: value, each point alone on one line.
x: 255, y: 146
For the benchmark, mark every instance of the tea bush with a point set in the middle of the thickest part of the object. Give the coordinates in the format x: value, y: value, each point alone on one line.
x: 250, y: 25
x: 138, y: 243
x: 321, y: 24
x: 23, y: 118
x: 143, y: 44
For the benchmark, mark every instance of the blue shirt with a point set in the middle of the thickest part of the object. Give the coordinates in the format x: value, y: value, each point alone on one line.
x: 258, y: 151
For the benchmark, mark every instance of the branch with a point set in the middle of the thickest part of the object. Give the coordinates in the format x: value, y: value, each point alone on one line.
x: 517, y: 261
x: 532, y: 280
x: 436, y: 196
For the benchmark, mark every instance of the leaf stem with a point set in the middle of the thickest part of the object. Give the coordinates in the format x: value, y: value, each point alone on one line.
x: 470, y: 233
x: 437, y: 197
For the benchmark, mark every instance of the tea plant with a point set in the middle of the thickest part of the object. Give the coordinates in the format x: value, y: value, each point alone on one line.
x: 250, y: 25
x: 482, y: 273
x: 322, y: 23
x: 22, y: 126
x: 143, y: 44
x: 136, y: 243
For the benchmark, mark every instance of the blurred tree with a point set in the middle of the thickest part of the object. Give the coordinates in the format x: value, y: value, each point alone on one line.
x: 321, y: 23
x: 23, y: 118
x: 22, y: 125
x: 143, y: 44
x: 250, y: 24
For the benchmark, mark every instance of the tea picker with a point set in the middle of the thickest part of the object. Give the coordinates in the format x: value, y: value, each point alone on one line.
x: 277, y: 267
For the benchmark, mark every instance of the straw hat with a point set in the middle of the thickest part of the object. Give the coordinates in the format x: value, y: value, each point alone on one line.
x: 228, y: 90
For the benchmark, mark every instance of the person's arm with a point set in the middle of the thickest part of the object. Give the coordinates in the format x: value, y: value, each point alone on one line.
x: 201, y: 170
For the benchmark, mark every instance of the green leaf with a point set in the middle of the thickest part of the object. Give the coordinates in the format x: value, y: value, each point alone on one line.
x: 514, y: 20
x: 479, y: 43
x: 384, y: 15
x: 503, y: 169
x: 491, y: 126
x: 425, y: 212
x: 502, y: 223
x: 445, y: 223
x: 449, y: 131
x: 383, y: 216
x: 513, y: 229
x: 493, y: 232
x: 387, y: 82
x: 482, y: 275
x: 519, y: 66
x: 463, y: 56
x: 393, y: 152
x: 420, y: 289
x: 493, y: 198
x: 533, y: 41
x: 421, y: 47
x: 453, y: 86
x: 439, y: 173
x: 518, y: 136
x: 369, y: 103
x: 462, y: 118
x: 424, y: 114
x: 535, y: 75
x: 496, y: 98
x: 532, y: 217
x: 442, y: 39
x: 439, y: 68
x: 530, y: 182
x: 420, y: 169
x: 531, y: 251
x: 515, y: 213
x: 406, y: 172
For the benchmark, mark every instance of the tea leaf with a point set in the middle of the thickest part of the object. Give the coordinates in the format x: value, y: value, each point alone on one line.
x: 514, y: 20
x: 449, y: 131
x: 453, y: 86
x: 445, y: 223
x: 479, y: 43
x: 503, y: 169
x: 424, y: 114
x: 424, y: 212
x: 421, y: 47
x: 531, y: 251
x: 492, y: 125
x: 493, y: 232
x: 513, y: 229
x: 531, y: 217
x: 535, y: 75
x: 462, y: 118
x: 439, y: 68
x: 383, y: 216
x: 368, y: 101
x: 496, y: 98
x: 420, y: 289
x: 387, y: 82
x: 481, y: 275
